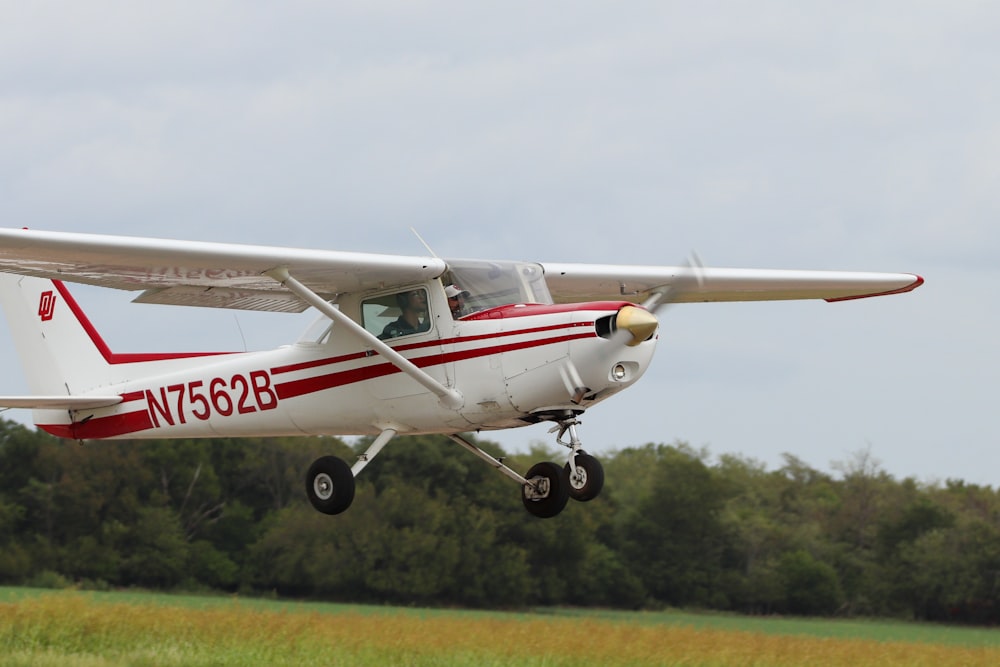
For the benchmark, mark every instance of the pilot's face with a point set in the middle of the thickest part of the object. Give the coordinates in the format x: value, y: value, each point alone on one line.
x: 417, y: 299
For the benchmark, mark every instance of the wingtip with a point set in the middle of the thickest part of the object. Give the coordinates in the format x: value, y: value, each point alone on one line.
x: 917, y: 282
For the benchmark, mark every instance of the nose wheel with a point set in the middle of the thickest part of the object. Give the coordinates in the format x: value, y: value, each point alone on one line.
x: 584, y: 473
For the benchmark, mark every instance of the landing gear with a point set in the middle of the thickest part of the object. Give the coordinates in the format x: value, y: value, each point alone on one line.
x: 584, y: 473
x: 585, y: 476
x: 547, y: 490
x: 330, y: 485
x: 547, y: 487
x: 330, y: 482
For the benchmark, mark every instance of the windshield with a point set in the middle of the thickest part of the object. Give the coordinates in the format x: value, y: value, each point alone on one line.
x: 491, y: 284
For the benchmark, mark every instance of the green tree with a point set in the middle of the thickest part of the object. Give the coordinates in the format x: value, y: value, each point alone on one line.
x: 674, y: 537
x: 810, y: 586
x: 154, y: 552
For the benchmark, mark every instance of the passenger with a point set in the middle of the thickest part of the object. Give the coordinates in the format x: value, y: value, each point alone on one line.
x: 456, y: 300
x: 413, y: 318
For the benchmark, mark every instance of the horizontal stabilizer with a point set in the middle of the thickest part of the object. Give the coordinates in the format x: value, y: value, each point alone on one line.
x: 59, y: 402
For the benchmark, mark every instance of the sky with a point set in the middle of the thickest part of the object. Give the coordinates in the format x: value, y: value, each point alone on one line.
x: 774, y: 134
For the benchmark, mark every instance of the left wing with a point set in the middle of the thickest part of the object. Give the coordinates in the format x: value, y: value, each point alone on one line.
x: 585, y: 282
x: 220, y: 275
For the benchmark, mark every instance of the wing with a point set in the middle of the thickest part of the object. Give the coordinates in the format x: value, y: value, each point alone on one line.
x: 220, y: 275
x: 583, y: 282
x: 227, y: 275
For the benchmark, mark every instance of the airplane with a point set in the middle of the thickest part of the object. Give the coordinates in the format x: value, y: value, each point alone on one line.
x: 402, y: 345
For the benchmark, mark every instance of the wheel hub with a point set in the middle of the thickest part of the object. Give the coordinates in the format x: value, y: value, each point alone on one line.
x: 323, y: 486
x: 537, y: 488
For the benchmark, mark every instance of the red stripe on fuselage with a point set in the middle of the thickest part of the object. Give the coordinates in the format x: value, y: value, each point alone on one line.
x: 102, y: 427
x: 295, y: 388
x: 132, y: 422
x: 437, y: 342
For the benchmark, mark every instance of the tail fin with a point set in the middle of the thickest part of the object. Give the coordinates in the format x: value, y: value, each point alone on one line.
x: 60, y: 350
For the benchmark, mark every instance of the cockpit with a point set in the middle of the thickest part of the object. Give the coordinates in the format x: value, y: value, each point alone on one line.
x: 481, y: 285
x: 492, y: 284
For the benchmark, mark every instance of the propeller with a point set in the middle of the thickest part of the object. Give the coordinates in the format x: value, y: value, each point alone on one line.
x: 634, y: 324
x: 691, y: 280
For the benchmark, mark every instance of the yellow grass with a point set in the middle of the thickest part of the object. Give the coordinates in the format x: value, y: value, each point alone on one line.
x: 69, y: 629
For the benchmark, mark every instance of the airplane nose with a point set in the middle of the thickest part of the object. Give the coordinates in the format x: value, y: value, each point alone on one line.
x: 637, y: 321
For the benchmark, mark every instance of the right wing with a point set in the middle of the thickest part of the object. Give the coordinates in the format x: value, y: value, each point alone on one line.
x: 685, y: 284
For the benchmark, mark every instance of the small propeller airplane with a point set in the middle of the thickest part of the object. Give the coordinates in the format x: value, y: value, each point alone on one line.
x: 403, y: 345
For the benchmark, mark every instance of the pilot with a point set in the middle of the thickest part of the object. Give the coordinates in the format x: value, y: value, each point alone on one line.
x: 412, y: 319
x: 456, y: 300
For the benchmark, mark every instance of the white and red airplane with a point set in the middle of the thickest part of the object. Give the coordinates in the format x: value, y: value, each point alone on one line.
x: 408, y: 345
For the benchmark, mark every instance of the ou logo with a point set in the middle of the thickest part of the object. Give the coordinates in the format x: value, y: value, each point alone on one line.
x: 47, y: 305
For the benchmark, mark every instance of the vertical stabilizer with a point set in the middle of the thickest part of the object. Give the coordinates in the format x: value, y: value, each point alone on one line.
x: 59, y: 349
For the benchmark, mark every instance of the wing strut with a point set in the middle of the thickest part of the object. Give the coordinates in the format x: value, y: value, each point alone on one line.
x: 449, y: 397
x: 495, y: 462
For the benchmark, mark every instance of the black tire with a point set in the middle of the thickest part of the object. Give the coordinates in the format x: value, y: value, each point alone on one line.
x: 588, y: 481
x: 556, y: 492
x: 330, y: 485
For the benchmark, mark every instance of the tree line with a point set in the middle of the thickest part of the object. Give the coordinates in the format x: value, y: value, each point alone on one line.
x: 432, y: 525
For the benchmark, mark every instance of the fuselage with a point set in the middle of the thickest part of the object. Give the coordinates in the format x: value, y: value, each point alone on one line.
x: 512, y: 365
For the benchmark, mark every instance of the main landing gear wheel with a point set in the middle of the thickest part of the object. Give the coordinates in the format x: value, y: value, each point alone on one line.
x: 547, y: 490
x: 330, y: 485
x: 586, y: 477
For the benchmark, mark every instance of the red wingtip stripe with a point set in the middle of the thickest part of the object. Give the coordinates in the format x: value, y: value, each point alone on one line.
x: 917, y: 282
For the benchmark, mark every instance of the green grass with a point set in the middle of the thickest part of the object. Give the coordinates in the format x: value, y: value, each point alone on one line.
x: 834, y: 628
x: 81, y: 629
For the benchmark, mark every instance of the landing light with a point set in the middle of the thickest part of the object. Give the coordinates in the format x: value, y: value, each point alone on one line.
x: 618, y: 372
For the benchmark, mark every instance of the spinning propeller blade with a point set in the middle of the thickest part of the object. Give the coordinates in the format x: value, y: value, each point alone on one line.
x: 692, y: 280
x: 635, y: 324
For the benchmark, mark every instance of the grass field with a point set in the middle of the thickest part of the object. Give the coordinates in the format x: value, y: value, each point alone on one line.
x: 73, y: 629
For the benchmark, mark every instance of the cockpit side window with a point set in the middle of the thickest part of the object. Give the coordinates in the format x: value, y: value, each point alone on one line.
x: 396, y: 314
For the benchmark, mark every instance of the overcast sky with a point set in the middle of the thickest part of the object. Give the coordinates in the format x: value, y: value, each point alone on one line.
x: 819, y: 135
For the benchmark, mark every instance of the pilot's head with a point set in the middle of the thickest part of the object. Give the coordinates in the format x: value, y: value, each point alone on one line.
x: 456, y: 299
x: 412, y: 300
